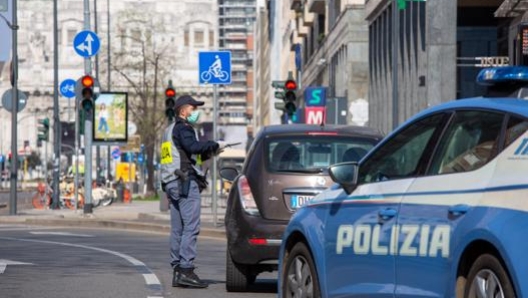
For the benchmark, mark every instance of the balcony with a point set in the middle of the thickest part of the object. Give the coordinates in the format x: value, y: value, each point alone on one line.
x: 308, y: 17
x: 235, y: 46
x: 316, y: 6
x: 296, y: 5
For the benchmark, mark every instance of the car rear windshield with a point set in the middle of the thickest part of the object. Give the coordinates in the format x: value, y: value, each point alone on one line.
x: 313, y: 154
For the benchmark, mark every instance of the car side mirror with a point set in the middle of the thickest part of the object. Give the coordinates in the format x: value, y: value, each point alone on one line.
x: 228, y: 174
x: 345, y: 174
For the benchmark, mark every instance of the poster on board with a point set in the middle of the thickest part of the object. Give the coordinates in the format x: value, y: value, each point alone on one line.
x: 110, y: 118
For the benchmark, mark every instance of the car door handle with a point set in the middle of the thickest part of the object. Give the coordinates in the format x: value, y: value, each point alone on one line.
x: 387, y: 213
x: 459, y: 209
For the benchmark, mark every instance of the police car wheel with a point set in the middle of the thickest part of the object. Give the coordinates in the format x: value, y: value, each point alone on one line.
x: 300, y: 278
x: 488, y: 278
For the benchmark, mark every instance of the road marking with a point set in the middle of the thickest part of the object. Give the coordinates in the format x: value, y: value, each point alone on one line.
x: 60, y: 234
x: 4, y: 263
x: 150, y: 277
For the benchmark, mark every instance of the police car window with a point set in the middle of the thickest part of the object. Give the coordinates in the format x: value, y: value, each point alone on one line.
x: 470, y: 142
x: 516, y: 128
x: 400, y: 156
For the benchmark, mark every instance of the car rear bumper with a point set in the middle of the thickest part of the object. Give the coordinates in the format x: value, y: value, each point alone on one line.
x: 253, y: 240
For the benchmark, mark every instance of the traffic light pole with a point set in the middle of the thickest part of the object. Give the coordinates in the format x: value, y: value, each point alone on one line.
x: 88, y: 206
x: 56, y: 119
x: 14, y: 114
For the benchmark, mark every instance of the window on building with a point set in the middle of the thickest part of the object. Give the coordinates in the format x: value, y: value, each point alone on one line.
x: 198, y: 38
x: 186, y: 38
x: 211, y: 38
x: 71, y: 35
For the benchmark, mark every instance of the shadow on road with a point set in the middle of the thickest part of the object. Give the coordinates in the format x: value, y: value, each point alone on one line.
x: 260, y: 285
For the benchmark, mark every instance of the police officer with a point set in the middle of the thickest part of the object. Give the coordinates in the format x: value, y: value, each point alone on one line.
x: 183, y: 182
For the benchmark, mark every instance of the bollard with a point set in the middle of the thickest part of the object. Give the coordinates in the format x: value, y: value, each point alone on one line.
x: 120, y: 189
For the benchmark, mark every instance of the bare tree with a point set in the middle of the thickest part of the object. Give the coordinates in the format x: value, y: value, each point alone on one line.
x: 143, y: 64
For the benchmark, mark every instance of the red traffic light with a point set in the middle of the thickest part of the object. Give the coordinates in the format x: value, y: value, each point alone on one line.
x: 290, y: 85
x: 87, y: 81
x: 169, y: 92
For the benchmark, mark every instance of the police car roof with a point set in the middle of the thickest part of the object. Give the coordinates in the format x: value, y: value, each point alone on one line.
x: 504, y: 104
x: 296, y: 129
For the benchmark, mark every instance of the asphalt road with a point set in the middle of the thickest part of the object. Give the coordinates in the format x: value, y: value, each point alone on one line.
x: 57, y: 262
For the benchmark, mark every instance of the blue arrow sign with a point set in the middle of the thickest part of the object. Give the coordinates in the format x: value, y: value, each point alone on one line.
x: 86, y: 43
x: 140, y: 158
x: 214, y: 67
x: 315, y: 96
x: 1, y: 158
x: 116, y: 153
x: 67, y: 88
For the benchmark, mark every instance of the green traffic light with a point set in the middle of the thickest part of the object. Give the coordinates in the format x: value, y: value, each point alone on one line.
x: 87, y: 104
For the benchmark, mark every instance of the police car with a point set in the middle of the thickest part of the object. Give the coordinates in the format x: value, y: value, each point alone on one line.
x: 439, y: 208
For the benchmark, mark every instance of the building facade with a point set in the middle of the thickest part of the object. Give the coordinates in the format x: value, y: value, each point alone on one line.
x: 236, y: 19
x: 173, y: 30
x: 439, y: 53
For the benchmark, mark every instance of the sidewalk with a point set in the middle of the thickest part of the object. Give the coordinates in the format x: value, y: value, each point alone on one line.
x: 138, y: 215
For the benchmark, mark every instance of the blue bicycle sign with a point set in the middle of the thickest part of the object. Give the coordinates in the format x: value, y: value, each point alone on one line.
x: 67, y: 88
x: 215, y: 67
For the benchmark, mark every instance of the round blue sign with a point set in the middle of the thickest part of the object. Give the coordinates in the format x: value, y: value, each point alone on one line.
x: 86, y: 43
x: 116, y: 153
x: 1, y: 158
x: 140, y: 158
x: 67, y: 88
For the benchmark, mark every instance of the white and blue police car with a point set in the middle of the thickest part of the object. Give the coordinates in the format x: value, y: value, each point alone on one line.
x: 439, y: 208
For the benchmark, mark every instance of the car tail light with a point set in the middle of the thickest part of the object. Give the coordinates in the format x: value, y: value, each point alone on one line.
x: 258, y: 241
x: 322, y: 133
x: 246, y: 197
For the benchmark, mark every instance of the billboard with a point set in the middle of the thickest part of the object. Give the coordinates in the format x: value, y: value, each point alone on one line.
x: 110, y: 118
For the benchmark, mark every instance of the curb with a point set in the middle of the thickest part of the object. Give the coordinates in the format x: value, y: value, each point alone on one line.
x: 109, y: 224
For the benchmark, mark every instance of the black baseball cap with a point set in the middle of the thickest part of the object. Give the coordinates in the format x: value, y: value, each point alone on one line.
x: 187, y: 100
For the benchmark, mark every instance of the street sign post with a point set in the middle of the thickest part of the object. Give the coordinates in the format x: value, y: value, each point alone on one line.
x: 7, y: 100
x: 116, y: 154
x: 67, y: 88
x: 315, y: 96
x: 86, y: 43
x: 214, y: 68
x: 315, y: 115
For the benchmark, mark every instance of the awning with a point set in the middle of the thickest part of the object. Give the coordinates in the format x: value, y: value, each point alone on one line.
x: 511, y: 8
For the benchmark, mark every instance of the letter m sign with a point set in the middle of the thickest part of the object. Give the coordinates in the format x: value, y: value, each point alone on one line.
x: 315, y: 115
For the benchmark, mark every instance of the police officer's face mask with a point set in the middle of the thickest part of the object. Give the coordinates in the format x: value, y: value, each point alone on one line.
x: 193, y: 117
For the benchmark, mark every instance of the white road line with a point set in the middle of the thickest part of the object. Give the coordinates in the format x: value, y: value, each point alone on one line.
x: 60, y: 234
x: 150, y: 278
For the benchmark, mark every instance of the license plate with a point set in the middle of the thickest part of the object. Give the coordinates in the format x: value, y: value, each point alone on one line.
x: 298, y: 201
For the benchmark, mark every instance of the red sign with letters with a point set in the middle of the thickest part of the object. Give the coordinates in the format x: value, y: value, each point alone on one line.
x: 315, y: 115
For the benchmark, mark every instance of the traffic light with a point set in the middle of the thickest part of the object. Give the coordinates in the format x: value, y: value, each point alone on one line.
x: 43, y: 129
x: 289, y: 97
x: 285, y: 91
x: 87, y: 92
x: 170, y: 94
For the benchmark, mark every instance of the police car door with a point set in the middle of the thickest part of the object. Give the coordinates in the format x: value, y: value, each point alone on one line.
x: 439, y: 202
x: 359, y: 229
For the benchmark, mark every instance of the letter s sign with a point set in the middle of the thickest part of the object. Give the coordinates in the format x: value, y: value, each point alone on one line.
x: 315, y: 96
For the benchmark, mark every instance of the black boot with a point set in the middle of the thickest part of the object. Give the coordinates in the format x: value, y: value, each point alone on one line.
x: 187, y: 277
x: 176, y: 276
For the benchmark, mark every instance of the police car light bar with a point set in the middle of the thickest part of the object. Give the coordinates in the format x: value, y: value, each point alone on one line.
x: 508, y: 74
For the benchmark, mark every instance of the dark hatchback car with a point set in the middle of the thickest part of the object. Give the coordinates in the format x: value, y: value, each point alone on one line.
x: 286, y: 167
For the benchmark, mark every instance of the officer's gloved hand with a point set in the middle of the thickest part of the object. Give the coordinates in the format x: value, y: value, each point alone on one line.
x: 218, y: 149
x: 222, y: 144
